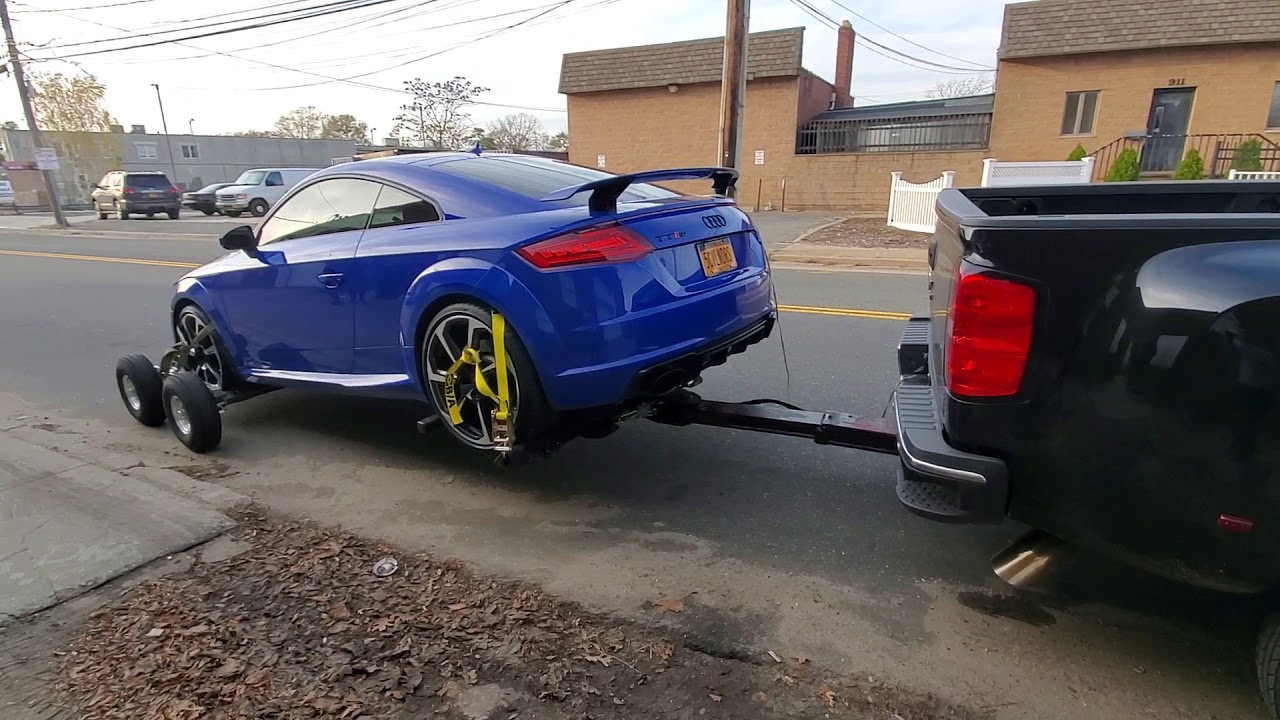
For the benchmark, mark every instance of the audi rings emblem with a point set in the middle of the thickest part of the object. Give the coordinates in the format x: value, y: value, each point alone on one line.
x: 714, y: 221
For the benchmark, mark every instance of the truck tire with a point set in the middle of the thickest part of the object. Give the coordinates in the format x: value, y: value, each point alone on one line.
x: 1268, y: 661
x: 192, y: 412
x: 259, y: 207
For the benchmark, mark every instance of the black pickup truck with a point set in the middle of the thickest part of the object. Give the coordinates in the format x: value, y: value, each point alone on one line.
x: 1102, y: 362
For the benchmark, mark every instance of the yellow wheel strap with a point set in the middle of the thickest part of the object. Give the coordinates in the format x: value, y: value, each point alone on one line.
x: 471, y: 357
x: 500, y: 365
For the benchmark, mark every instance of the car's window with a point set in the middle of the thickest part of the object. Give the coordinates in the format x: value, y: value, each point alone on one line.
x: 537, y: 177
x: 396, y: 207
x: 251, y: 177
x: 114, y: 180
x: 274, y: 180
x: 212, y: 188
x: 106, y: 180
x: 150, y: 182
x: 328, y: 206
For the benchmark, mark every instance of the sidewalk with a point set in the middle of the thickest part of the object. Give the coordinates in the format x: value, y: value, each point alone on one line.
x: 829, y: 255
x: 43, y: 220
x: 72, y: 520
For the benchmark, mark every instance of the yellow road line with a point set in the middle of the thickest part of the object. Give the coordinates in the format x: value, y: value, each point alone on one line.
x: 808, y: 309
x: 101, y: 258
x: 845, y: 312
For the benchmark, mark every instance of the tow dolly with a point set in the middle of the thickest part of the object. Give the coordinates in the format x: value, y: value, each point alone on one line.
x: 173, y: 391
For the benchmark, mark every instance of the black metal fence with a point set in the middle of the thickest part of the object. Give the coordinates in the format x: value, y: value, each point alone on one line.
x: 970, y: 131
x: 1160, y: 155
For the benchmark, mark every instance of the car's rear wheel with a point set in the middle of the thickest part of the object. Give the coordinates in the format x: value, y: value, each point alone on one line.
x: 121, y: 213
x: 207, y: 362
x: 462, y: 326
x: 173, y: 214
x: 1268, y: 664
x: 234, y: 213
x: 207, y: 212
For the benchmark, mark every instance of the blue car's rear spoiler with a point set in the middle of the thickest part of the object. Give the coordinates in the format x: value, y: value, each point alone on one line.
x: 606, y: 191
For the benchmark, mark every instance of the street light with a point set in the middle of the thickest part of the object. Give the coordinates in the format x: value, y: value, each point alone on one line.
x: 191, y: 126
x: 173, y: 163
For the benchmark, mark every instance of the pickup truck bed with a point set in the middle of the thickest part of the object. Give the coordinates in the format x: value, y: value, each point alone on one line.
x: 1102, y: 362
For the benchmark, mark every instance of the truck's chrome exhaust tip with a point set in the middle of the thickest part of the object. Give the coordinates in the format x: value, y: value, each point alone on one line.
x: 1036, y: 561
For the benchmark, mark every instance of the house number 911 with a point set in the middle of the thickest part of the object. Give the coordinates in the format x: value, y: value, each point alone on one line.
x: 1177, y: 81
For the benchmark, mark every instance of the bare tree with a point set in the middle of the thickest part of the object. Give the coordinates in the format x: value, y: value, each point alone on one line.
x: 962, y: 87
x: 517, y: 132
x: 304, y: 122
x: 437, y: 116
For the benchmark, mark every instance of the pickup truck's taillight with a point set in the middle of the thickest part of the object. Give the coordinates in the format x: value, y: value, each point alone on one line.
x: 990, y: 334
x: 609, y: 243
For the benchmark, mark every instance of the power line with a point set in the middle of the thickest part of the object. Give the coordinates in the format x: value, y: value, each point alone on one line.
x: 873, y: 23
x: 556, y: 6
x: 34, y: 10
x: 343, y: 6
x: 884, y: 50
x: 289, y: 69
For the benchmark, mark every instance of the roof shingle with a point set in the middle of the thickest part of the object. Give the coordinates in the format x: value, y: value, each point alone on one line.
x: 1065, y: 27
x: 769, y: 54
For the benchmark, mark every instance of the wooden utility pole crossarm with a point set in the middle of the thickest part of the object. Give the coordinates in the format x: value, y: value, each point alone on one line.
x: 733, y: 83
x: 20, y: 77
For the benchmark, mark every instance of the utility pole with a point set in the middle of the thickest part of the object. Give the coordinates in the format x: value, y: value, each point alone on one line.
x: 24, y: 94
x: 173, y: 162
x: 733, y: 83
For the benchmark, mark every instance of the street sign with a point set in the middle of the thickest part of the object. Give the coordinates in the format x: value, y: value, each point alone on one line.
x: 46, y: 159
x: 599, y: 161
x: 759, y: 157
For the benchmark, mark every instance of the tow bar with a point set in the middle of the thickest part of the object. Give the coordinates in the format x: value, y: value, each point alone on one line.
x: 685, y: 407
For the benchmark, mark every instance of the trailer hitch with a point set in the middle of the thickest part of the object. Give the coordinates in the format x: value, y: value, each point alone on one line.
x: 684, y: 407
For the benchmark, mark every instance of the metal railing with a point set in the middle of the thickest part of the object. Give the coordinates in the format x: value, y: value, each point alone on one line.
x: 1157, y: 153
x: 970, y: 131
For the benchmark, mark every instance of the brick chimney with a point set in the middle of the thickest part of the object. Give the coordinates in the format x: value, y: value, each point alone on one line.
x: 844, y: 65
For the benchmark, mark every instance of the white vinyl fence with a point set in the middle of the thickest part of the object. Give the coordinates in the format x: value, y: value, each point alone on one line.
x: 911, y: 205
x: 1252, y: 175
x: 1010, y: 174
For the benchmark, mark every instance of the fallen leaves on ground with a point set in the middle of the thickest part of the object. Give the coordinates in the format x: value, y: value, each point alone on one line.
x: 868, y: 232
x: 299, y: 627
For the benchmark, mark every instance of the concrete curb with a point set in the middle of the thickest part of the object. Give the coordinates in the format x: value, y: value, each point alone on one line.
x: 82, y: 517
x: 887, y: 263
x: 210, y: 495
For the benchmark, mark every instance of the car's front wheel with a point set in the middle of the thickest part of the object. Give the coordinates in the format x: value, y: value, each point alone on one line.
x: 259, y: 207
x: 466, y: 326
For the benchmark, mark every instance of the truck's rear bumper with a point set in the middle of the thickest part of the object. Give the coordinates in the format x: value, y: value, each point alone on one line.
x: 936, y: 480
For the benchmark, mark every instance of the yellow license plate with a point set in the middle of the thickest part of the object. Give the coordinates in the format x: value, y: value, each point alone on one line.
x: 717, y: 257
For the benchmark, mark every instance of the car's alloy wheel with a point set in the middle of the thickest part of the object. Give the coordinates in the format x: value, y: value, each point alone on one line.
x: 444, y: 344
x: 206, y: 363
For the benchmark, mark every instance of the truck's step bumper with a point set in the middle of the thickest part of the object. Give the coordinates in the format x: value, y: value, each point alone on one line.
x: 936, y: 480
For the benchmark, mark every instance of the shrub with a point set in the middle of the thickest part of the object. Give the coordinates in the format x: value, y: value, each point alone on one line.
x: 1192, y: 167
x: 1125, y: 167
x: 1078, y: 154
x: 1248, y: 156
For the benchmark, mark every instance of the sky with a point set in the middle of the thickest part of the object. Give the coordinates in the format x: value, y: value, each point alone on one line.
x: 244, y: 80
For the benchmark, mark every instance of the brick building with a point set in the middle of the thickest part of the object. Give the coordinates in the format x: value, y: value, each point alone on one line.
x: 1107, y: 74
x: 1204, y: 74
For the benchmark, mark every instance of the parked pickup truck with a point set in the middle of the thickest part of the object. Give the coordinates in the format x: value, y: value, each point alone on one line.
x: 1102, y: 362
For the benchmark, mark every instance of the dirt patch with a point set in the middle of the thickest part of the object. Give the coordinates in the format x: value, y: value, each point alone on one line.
x: 867, y: 232
x: 299, y: 626
x: 210, y: 470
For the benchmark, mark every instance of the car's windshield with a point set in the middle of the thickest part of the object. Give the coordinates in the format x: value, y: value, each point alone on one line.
x: 537, y: 177
x: 251, y: 177
x: 159, y: 182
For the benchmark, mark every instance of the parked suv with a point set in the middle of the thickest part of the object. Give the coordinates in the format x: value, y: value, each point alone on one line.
x: 136, y: 193
x: 257, y: 190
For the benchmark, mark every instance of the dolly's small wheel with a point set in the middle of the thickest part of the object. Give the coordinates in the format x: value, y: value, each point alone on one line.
x: 192, y: 411
x: 140, y: 387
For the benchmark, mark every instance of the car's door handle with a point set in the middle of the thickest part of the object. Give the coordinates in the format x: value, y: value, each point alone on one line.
x: 330, y: 279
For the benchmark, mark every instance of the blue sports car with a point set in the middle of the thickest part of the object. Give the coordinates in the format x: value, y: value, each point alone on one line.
x: 382, y: 278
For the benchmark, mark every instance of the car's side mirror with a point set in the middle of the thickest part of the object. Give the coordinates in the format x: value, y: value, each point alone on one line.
x: 240, y: 238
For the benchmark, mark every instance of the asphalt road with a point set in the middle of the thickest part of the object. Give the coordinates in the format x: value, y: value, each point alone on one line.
x: 71, y: 304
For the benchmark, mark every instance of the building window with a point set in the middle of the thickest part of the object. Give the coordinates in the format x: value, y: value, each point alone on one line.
x: 190, y: 152
x: 147, y: 151
x: 1079, y: 112
x: 1273, y: 117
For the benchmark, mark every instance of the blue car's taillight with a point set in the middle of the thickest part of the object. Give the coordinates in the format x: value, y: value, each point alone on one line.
x: 604, y: 244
